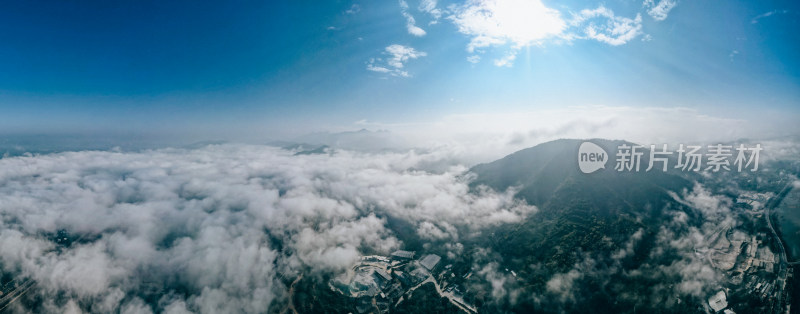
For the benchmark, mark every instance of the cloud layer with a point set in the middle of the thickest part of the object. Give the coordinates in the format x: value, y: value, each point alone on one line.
x: 216, y: 229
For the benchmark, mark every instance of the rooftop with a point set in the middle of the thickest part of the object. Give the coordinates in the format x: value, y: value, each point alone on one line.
x: 403, y: 254
x: 718, y: 301
x: 430, y: 261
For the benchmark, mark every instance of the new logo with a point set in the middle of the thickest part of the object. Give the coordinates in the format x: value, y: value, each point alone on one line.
x: 591, y: 157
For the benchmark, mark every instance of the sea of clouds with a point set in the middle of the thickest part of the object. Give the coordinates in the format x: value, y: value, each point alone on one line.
x: 217, y: 229
x: 224, y: 228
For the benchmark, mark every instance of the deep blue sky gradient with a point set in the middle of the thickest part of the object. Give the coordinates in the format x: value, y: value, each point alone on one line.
x: 268, y: 66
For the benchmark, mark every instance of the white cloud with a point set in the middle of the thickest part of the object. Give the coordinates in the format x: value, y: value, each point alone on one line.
x: 429, y: 6
x: 712, y: 207
x: 413, y: 29
x: 502, y: 284
x: 397, y: 56
x: 401, y: 54
x: 372, y: 67
x: 198, y: 228
x: 484, y: 136
x: 733, y: 54
x: 660, y: 10
x: 766, y: 15
x: 561, y: 285
x: 515, y: 24
x: 507, y: 60
x: 602, y: 25
x: 355, y: 8
x: 519, y: 23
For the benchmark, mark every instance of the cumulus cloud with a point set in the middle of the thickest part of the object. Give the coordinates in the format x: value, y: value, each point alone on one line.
x: 660, y: 10
x: 214, y: 229
x: 393, y: 64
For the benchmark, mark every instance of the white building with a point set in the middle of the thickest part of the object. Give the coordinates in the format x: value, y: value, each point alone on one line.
x: 718, y: 301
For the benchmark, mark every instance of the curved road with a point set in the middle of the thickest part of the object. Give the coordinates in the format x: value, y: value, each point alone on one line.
x: 775, y: 202
x: 783, y: 262
x: 449, y: 296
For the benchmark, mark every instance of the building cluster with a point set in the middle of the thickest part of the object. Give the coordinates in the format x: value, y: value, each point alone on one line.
x: 749, y: 261
x: 740, y: 254
x: 377, y: 283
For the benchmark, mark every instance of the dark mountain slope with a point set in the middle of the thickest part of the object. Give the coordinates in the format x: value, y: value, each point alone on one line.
x: 580, y: 214
x: 548, y: 176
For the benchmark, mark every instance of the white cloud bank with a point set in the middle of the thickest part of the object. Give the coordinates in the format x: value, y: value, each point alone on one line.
x: 211, y: 230
x: 483, y: 136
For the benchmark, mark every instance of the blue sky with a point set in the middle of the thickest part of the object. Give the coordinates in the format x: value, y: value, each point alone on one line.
x: 269, y: 68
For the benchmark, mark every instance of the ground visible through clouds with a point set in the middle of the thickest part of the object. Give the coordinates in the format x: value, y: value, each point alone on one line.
x: 214, y: 229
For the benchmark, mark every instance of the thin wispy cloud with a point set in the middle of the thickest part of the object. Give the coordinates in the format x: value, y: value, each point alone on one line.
x: 394, y: 61
x: 766, y: 15
x: 733, y: 54
x: 603, y: 25
x: 411, y: 23
x: 355, y: 8
x: 507, y: 60
x: 429, y: 6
